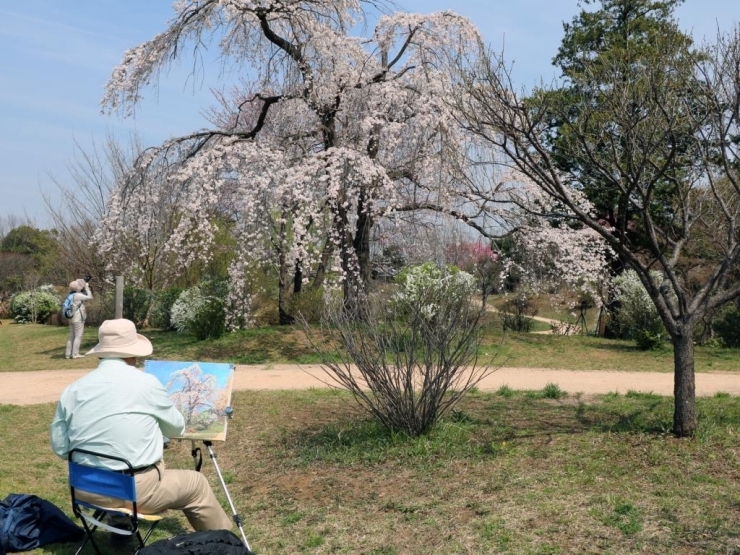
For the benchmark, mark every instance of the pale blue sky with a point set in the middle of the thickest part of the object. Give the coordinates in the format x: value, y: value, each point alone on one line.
x: 57, y: 57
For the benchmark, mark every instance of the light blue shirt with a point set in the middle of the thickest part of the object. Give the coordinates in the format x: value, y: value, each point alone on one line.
x: 115, y: 409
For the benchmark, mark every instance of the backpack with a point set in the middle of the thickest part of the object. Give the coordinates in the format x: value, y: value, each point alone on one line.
x: 205, y: 542
x: 68, y: 307
x: 28, y: 522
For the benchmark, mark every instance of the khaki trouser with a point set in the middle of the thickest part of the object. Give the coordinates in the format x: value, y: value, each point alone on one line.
x: 188, y: 491
x: 75, y: 338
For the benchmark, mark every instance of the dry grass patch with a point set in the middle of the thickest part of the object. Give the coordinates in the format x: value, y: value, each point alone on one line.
x: 515, y: 473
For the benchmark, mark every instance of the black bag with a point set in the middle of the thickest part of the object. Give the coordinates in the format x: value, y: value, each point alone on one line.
x: 28, y: 522
x: 206, y: 542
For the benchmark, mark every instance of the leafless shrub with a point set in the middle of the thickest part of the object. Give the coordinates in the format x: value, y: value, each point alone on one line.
x: 406, y: 361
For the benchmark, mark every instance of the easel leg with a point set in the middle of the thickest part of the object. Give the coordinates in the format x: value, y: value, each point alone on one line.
x: 237, y: 518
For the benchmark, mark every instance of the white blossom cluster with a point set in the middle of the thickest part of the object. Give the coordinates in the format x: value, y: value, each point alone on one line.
x: 551, y: 251
x: 423, y: 285
x: 576, y: 258
x: 637, y: 312
x: 186, y: 307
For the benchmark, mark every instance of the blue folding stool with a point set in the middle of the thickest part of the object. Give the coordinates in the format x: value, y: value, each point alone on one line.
x: 119, y: 485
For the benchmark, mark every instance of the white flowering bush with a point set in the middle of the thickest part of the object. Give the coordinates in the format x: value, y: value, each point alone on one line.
x: 637, y: 318
x: 34, y: 306
x: 423, y: 286
x: 187, y: 304
x: 200, y: 311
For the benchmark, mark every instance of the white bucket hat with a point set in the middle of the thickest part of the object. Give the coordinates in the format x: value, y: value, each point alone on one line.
x: 118, y: 339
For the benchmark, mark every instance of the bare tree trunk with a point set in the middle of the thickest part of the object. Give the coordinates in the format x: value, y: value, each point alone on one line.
x: 318, y: 280
x: 298, y: 278
x: 284, y: 283
x: 362, y: 242
x: 684, y: 383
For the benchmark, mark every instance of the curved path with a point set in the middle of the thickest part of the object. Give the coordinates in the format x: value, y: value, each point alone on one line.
x: 29, y: 388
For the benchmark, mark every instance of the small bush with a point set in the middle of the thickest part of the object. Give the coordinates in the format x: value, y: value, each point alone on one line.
x: 209, y: 322
x: 552, y: 391
x: 136, y: 304
x: 34, y: 306
x: 409, y: 359
x: 516, y: 314
x: 637, y: 318
x: 200, y: 311
x: 309, y: 305
x: 505, y: 391
x: 727, y: 328
x: 648, y: 340
x: 161, y: 316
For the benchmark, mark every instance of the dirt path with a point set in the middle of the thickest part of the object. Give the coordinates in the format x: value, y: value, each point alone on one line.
x: 30, y: 388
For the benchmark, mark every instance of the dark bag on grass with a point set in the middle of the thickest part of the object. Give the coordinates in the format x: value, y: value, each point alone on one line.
x: 28, y: 522
x: 206, y: 542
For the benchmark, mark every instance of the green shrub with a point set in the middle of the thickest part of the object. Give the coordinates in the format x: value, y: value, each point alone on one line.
x: 727, y: 328
x: 136, y: 304
x: 553, y: 391
x: 647, y: 340
x: 309, y: 305
x: 34, y: 306
x: 161, y: 316
x: 505, y: 391
x: 209, y: 321
x: 516, y: 314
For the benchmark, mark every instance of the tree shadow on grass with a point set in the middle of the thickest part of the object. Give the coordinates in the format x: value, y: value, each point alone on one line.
x: 482, y: 423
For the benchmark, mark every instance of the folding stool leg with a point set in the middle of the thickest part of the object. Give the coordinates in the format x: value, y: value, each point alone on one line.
x: 89, y: 529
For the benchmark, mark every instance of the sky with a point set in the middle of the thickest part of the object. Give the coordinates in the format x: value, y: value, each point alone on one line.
x: 57, y: 57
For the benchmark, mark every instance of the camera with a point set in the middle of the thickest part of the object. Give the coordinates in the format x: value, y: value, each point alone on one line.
x: 88, y: 278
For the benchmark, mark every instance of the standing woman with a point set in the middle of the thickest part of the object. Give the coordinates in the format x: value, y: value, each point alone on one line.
x: 81, y: 291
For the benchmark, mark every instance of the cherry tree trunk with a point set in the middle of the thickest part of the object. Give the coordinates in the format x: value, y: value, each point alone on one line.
x: 684, y: 383
x: 284, y: 283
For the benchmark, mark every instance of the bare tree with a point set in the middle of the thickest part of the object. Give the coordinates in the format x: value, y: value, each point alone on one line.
x: 658, y: 135
x: 80, y: 204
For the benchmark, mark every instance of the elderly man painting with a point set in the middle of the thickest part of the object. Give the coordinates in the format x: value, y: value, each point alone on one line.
x: 119, y: 410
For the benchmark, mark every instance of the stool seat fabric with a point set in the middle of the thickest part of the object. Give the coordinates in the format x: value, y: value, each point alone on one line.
x: 119, y: 485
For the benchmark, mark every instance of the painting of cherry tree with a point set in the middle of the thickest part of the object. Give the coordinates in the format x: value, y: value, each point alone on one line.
x: 201, y: 391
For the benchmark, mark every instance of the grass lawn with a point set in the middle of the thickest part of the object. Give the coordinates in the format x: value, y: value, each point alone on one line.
x: 35, y: 347
x: 518, y: 472
x: 509, y: 472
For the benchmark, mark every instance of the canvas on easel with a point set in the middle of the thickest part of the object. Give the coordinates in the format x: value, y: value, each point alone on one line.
x: 201, y: 391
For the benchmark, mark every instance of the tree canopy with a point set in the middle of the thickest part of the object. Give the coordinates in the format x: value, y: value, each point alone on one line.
x: 38, y: 244
x: 327, y: 134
